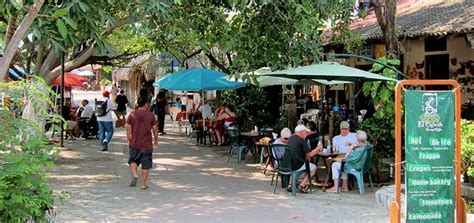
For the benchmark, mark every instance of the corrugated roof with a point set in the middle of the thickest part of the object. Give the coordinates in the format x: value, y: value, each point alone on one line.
x: 427, y: 18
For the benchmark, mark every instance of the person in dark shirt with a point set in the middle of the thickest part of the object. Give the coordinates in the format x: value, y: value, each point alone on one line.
x: 303, y: 152
x: 122, y: 102
x: 159, y: 108
x: 141, y: 123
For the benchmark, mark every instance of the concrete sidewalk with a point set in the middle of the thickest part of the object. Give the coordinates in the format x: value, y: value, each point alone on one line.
x: 188, y: 184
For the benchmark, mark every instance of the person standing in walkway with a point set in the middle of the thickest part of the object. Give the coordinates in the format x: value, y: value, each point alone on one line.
x: 121, y: 100
x: 159, y: 108
x: 103, y: 110
x: 140, y: 125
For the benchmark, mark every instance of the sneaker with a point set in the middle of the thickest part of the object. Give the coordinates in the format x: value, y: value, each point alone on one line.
x: 105, y: 146
x: 134, y: 181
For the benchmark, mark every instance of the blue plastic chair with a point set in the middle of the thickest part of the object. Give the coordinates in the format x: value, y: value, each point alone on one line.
x: 285, y: 155
x: 233, y: 134
x: 359, y: 174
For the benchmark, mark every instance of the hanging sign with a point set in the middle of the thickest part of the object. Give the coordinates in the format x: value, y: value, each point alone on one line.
x: 429, y: 155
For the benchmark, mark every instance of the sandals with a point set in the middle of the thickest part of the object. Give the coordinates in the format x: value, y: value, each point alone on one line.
x: 303, y: 190
x: 144, y: 187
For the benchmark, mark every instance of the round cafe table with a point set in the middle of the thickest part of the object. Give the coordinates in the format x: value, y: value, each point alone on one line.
x: 327, y: 159
x: 252, y: 138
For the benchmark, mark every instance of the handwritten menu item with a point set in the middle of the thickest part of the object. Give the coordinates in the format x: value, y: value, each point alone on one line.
x: 429, y: 155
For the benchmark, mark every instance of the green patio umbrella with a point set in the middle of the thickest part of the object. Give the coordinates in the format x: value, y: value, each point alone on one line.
x: 262, y: 80
x: 329, y: 71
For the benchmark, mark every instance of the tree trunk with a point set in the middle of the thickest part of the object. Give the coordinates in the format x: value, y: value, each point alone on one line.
x: 386, y: 18
x: 11, y: 27
x: 74, y: 63
x: 39, y: 57
x: 12, y: 46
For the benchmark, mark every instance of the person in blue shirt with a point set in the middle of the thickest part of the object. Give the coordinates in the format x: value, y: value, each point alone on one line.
x: 178, y: 104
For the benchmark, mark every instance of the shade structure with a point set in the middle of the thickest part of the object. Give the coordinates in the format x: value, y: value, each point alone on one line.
x: 197, y: 80
x: 330, y: 71
x: 84, y: 73
x: 70, y: 80
x: 264, y: 81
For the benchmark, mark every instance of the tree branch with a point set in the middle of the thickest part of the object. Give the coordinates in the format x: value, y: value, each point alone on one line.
x: 88, y: 52
x: 12, y: 47
x: 121, y: 22
x: 192, y: 54
x: 217, y: 63
x: 378, y: 9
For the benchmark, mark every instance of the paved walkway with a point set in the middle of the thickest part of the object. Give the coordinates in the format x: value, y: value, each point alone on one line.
x: 188, y: 184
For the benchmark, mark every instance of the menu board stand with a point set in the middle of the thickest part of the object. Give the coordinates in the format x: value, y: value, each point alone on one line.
x: 432, y: 153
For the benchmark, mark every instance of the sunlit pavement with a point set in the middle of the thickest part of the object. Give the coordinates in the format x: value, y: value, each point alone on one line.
x: 188, y: 183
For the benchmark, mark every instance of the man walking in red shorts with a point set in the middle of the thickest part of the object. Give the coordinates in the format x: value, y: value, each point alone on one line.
x: 140, y: 124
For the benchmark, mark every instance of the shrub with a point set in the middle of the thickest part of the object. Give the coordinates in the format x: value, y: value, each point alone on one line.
x: 249, y: 103
x: 381, y: 127
x: 467, y: 146
x: 25, y: 154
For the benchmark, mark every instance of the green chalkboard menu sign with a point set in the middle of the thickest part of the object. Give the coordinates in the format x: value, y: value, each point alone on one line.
x: 429, y: 155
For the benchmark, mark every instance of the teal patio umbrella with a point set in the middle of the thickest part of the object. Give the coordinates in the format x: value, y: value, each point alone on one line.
x: 199, y: 79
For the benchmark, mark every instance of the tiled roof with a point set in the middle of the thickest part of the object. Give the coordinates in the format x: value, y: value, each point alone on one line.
x: 426, y: 18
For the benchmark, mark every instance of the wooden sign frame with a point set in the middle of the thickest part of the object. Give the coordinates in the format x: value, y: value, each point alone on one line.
x: 460, y: 207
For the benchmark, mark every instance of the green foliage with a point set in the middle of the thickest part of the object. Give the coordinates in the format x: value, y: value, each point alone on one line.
x: 381, y: 127
x: 467, y: 146
x: 24, y: 154
x: 105, y: 82
x: 249, y: 104
x: 241, y: 35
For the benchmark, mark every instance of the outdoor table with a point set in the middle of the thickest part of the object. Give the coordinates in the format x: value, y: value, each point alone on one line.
x: 327, y: 159
x: 252, y: 136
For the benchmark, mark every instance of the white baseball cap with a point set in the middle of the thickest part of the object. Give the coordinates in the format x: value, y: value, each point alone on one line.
x: 300, y: 128
x: 285, y: 133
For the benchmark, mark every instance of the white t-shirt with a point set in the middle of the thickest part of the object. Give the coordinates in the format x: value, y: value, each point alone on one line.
x: 206, y: 111
x: 108, y: 116
x: 87, y: 112
x: 341, y: 142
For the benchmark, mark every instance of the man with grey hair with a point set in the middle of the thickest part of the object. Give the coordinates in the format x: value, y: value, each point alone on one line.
x: 343, y: 141
x: 354, y: 159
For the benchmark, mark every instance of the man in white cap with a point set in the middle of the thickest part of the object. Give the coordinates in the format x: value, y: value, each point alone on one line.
x: 298, y: 142
x: 343, y: 141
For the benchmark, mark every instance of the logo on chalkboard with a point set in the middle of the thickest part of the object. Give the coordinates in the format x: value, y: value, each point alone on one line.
x: 430, y: 120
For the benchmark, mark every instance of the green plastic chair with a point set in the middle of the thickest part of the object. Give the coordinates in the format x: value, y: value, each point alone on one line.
x: 284, y: 156
x: 359, y: 174
x: 233, y: 134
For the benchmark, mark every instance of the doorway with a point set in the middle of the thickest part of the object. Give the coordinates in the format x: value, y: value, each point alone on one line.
x: 437, y: 68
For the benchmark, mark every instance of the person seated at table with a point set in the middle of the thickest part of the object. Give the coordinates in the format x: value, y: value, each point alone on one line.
x: 84, y: 115
x: 205, y: 110
x: 313, y: 136
x: 311, y: 125
x: 354, y: 159
x: 228, y: 117
x: 284, y: 135
x: 345, y: 139
x: 303, y: 152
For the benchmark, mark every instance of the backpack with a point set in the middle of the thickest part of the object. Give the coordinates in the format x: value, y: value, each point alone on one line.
x: 101, y: 108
